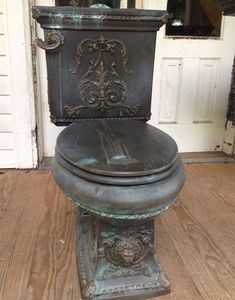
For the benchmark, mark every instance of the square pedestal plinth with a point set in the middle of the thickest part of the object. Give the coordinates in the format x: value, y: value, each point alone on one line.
x: 117, y: 262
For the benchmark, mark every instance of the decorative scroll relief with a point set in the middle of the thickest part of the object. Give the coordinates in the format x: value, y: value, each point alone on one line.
x: 101, y: 87
x: 55, y: 39
x: 125, y: 251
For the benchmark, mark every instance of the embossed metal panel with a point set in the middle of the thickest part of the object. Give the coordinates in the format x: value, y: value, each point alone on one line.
x: 100, y: 72
x: 98, y: 89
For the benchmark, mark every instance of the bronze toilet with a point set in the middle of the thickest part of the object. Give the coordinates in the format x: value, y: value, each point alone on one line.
x: 118, y: 170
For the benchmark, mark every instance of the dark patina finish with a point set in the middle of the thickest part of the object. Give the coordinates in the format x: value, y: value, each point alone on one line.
x: 118, y: 262
x: 231, y: 100
x: 134, y: 167
x: 228, y: 7
x: 98, y: 71
x: 117, y: 169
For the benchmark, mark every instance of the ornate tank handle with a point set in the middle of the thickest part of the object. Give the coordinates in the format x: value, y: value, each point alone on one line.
x: 55, y: 39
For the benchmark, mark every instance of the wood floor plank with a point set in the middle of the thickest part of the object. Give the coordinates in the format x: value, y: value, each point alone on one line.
x: 213, y: 258
x: 7, y: 179
x: 53, y: 272
x: 182, y: 284
x: 218, y: 180
x: 193, y: 261
x: 207, y: 222
x: 195, y: 238
x: 18, y: 231
x: 208, y: 209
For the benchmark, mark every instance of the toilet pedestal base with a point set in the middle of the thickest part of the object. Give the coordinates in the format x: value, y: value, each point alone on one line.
x: 117, y: 262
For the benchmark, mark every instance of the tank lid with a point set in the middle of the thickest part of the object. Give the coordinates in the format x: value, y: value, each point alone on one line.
x: 99, y: 18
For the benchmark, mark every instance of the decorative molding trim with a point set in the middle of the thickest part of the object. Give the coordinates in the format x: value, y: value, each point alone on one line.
x: 50, y: 12
x: 74, y: 17
x: 62, y: 121
x: 110, y: 215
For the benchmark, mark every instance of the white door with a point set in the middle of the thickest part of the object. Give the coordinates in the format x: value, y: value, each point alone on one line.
x: 190, y: 87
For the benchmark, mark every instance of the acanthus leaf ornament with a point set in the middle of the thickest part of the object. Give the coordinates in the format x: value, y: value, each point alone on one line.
x: 101, y: 87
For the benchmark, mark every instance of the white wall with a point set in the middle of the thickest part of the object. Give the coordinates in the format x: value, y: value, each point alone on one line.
x: 17, y: 115
x: 7, y: 130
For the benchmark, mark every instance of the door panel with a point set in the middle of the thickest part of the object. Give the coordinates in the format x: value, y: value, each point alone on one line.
x: 171, y: 80
x: 206, y: 90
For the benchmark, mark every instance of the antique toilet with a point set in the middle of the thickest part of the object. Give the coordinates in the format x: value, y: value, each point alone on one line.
x: 118, y: 170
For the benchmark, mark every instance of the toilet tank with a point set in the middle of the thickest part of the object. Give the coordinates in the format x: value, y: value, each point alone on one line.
x: 99, y: 61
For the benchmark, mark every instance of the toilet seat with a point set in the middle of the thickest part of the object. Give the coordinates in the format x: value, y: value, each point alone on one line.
x: 121, y: 152
x: 143, y: 183
x: 114, y: 180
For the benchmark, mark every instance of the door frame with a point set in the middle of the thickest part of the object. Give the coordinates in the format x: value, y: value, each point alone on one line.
x: 22, y: 83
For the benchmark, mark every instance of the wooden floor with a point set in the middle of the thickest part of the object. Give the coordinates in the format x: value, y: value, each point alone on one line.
x: 195, y: 238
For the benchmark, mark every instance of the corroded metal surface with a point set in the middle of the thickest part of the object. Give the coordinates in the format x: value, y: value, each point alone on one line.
x: 55, y: 39
x: 131, y: 271
x: 128, y: 247
x: 116, y: 180
x: 121, y: 203
x: 101, y: 87
x: 118, y: 170
x: 117, y: 148
x: 107, y: 19
x: 228, y: 7
x: 88, y: 76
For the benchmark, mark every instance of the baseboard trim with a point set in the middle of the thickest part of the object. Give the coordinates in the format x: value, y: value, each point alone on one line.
x: 206, y: 157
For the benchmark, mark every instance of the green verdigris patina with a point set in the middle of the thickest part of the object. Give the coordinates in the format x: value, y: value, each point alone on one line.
x: 118, y: 170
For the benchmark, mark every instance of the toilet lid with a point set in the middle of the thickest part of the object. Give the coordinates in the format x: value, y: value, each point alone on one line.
x: 116, y: 148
